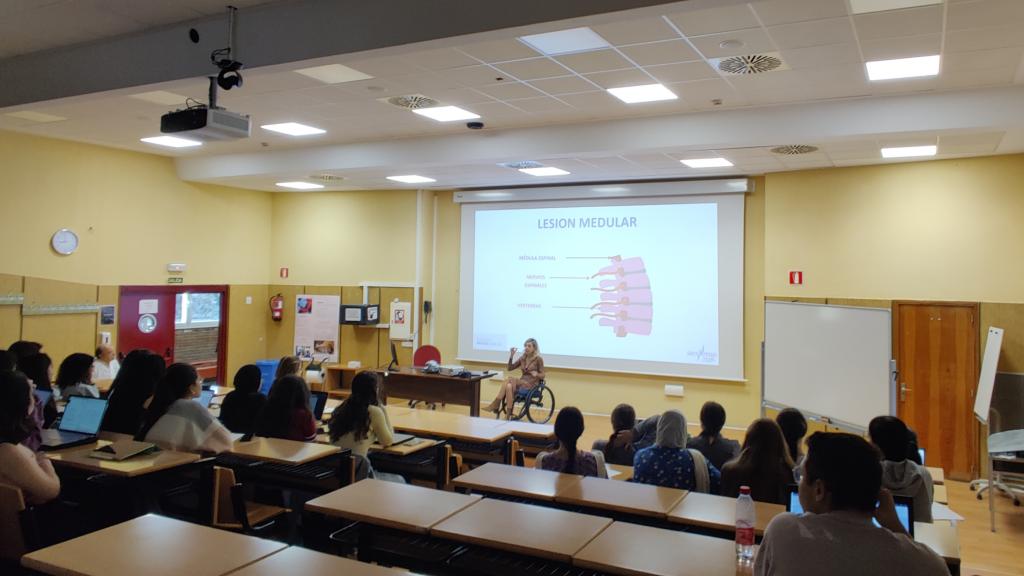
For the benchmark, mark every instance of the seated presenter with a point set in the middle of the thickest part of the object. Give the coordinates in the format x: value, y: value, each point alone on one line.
x: 532, y: 366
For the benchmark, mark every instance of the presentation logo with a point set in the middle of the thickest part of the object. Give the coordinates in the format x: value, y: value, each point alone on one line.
x: 703, y: 356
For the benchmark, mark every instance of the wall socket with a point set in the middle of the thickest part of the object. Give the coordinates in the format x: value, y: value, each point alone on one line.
x: 673, y: 389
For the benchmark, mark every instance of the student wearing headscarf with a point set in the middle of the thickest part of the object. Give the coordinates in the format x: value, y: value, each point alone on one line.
x: 668, y: 463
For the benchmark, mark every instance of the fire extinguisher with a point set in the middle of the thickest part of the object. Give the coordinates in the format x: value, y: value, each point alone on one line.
x: 276, y: 308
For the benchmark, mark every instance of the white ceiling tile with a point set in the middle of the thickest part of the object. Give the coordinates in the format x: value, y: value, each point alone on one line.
x: 983, y: 38
x: 500, y: 50
x: 1005, y: 58
x: 816, y: 56
x: 652, y: 160
x: 904, y: 85
x: 984, y: 14
x: 636, y: 31
x: 383, y: 66
x: 835, y: 81
x: 683, y: 72
x: 714, y: 20
x: 472, y: 76
x: 753, y: 40
x: 813, y: 33
x: 774, y: 12
x: 978, y: 143
x: 903, y: 47
x: 539, y: 105
x: 563, y: 85
x: 975, y: 77
x: 533, y: 68
x: 893, y: 23
x: 440, y: 59
x: 619, y: 78
x: 591, y: 100
x: 701, y: 93
x: 509, y: 90
x: 496, y: 111
x: 661, y: 53
x: 596, y: 61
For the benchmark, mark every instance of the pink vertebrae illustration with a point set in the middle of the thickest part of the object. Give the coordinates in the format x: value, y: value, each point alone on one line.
x: 626, y: 304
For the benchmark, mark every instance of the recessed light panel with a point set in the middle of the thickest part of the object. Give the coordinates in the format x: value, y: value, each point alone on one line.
x: 300, y: 185
x: 334, y: 74
x: 642, y: 93
x: 161, y: 97
x: 544, y: 171
x: 446, y: 113
x: 172, y: 141
x: 35, y: 116
x: 707, y: 162
x: 293, y: 129
x: 909, y: 151
x: 411, y: 179
x: 866, y: 6
x: 565, y: 41
x: 903, y: 68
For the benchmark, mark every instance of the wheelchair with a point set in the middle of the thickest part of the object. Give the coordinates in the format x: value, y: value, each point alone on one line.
x: 537, y: 404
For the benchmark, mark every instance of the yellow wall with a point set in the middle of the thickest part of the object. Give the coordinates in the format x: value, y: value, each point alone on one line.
x: 132, y: 214
x: 939, y: 230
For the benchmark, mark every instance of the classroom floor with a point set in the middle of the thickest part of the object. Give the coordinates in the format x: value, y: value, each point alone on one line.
x: 983, y: 553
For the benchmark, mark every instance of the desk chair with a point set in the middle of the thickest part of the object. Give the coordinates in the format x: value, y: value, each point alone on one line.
x: 420, y: 357
x: 539, y: 399
x: 18, y: 528
x: 232, y: 512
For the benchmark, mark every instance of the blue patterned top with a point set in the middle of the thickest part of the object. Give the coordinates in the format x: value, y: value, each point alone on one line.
x: 670, y: 467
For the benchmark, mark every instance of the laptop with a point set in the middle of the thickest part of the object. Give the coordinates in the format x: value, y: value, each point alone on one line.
x: 204, y: 398
x: 317, y: 402
x: 904, y: 508
x: 79, y: 425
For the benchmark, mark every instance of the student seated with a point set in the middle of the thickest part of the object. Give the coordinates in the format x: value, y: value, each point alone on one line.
x: 176, y: 422
x: 618, y: 448
x: 134, y: 385
x: 763, y: 464
x: 717, y: 449
x: 840, y: 484
x: 22, y: 467
x: 241, y: 408
x: 361, y: 420
x: 568, y: 459
x: 287, y: 414
x: 105, y: 365
x: 38, y: 368
x: 8, y: 361
x: 794, y: 428
x: 74, y: 377
x: 288, y: 366
x: 668, y: 463
x: 900, y: 475
x: 23, y: 348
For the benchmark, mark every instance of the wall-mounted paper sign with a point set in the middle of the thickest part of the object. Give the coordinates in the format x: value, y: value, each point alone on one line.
x: 401, y: 321
x: 149, y: 307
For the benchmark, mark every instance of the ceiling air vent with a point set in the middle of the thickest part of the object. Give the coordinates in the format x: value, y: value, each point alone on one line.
x: 750, y: 63
x: 326, y: 178
x: 411, y: 101
x: 794, y: 149
x: 522, y: 164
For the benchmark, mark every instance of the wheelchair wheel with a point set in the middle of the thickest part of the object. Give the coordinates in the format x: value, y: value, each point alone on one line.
x: 540, y: 406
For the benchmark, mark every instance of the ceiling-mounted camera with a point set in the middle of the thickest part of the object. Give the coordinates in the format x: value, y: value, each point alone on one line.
x: 475, y: 125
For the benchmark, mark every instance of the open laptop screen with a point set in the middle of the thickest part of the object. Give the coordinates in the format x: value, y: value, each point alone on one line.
x: 904, y: 509
x: 317, y: 402
x: 83, y: 415
x: 204, y: 398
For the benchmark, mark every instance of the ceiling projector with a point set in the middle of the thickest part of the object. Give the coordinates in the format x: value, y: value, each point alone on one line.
x: 206, y: 123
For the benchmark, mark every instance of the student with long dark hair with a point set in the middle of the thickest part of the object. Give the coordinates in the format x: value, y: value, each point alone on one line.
x: 174, y: 421
x: 901, y: 475
x: 710, y: 442
x: 794, y: 428
x: 23, y: 348
x: 74, y: 377
x: 242, y: 407
x: 133, y: 386
x: 763, y: 464
x: 361, y: 419
x: 287, y: 414
x: 569, y: 459
x: 39, y: 369
x: 22, y: 467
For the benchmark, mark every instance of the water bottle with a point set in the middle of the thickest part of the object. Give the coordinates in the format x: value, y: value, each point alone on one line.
x: 746, y: 516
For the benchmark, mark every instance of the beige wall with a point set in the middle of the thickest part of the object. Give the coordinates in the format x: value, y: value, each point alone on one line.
x: 132, y: 214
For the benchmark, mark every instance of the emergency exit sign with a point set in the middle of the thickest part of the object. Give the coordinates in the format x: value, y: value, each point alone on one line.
x: 796, y: 277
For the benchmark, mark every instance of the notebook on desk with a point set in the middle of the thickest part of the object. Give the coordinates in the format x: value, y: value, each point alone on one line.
x: 79, y: 425
x: 122, y: 450
x: 399, y: 438
x: 904, y: 508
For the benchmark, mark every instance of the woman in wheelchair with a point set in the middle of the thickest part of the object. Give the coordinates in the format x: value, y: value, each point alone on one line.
x: 532, y: 366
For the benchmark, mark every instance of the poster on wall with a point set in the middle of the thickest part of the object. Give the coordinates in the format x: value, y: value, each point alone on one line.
x: 316, y: 327
x: 401, y: 321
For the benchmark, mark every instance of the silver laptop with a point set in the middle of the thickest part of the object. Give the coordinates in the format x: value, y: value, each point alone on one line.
x: 79, y: 425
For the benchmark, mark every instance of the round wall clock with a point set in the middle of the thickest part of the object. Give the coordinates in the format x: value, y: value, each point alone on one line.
x: 64, y: 242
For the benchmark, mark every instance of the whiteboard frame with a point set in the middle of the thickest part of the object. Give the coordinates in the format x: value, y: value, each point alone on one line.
x: 824, y: 418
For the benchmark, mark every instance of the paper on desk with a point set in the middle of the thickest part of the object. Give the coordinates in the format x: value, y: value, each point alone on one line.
x: 612, y: 472
x: 942, y: 512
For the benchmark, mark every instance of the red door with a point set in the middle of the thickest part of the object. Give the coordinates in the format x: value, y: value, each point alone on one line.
x: 146, y: 320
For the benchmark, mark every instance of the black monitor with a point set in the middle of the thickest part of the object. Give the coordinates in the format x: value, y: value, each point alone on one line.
x: 394, y: 357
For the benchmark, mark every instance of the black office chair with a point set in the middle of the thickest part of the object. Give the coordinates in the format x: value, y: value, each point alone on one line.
x: 537, y: 404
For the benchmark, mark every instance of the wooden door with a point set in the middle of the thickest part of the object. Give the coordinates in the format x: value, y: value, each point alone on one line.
x: 937, y: 357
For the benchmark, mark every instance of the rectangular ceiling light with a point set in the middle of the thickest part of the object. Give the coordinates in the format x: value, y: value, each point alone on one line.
x: 300, y: 185
x: 446, y: 113
x: 903, y: 68
x: 334, y: 74
x: 293, y: 129
x: 642, y: 93
x: 565, y: 41
x: 867, y: 6
x: 35, y: 116
x: 411, y: 179
x: 707, y: 162
x: 909, y: 151
x: 172, y: 141
x: 544, y: 171
x: 161, y: 97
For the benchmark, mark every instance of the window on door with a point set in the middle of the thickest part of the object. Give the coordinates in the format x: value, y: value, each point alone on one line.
x: 199, y: 310
x: 197, y: 331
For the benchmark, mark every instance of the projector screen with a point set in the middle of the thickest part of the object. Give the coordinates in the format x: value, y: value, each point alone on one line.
x: 650, y: 285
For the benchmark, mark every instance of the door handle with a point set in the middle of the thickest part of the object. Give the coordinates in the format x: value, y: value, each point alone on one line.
x: 168, y: 353
x: 904, y: 390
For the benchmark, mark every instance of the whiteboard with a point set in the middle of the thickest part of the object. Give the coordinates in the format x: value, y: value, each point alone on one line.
x: 987, y: 379
x: 831, y: 361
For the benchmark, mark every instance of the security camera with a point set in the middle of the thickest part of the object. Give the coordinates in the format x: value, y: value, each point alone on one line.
x: 474, y: 125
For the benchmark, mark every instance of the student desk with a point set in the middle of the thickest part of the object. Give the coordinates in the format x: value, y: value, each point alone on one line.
x: 621, y: 497
x: 152, y: 545
x: 388, y: 504
x: 283, y: 451
x: 449, y: 426
x: 522, y: 529
x: 719, y: 513
x: 941, y: 537
x: 295, y: 560
x: 516, y: 481
x: 939, y: 494
x: 630, y: 549
x: 938, y: 475
x: 78, y: 457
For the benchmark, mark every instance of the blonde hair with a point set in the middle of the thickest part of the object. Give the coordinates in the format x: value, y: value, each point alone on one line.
x: 536, y: 347
x: 288, y: 366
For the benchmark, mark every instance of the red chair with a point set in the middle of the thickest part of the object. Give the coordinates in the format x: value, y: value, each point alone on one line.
x: 425, y: 354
